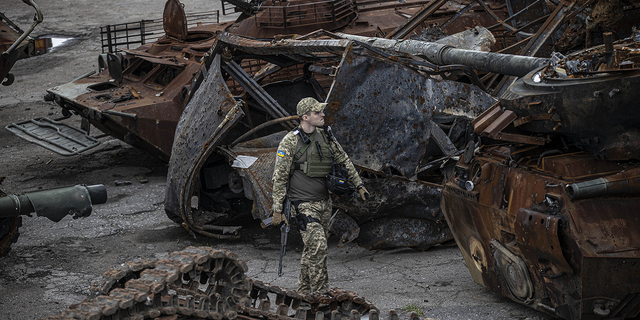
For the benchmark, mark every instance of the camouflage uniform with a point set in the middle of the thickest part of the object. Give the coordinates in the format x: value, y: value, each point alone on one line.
x: 313, y: 264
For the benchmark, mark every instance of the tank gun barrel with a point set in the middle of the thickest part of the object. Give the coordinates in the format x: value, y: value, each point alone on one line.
x: 620, y: 184
x: 54, y: 204
x: 442, y: 54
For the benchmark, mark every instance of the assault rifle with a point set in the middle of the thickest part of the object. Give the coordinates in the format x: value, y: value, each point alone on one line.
x: 284, y: 231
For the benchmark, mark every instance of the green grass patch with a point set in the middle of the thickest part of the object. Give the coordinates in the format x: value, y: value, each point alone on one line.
x: 412, y: 307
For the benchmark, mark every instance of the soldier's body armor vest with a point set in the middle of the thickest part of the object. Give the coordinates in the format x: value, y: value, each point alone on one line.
x: 319, y: 156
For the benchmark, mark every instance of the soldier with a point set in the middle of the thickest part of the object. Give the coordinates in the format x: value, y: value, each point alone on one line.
x: 304, y: 158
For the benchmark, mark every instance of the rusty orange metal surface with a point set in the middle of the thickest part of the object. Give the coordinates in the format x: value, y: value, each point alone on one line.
x: 526, y: 211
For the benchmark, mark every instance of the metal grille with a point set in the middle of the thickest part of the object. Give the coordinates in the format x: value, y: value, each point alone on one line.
x: 304, y: 14
x: 131, y: 35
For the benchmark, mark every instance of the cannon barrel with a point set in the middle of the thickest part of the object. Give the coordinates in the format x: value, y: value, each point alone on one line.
x: 442, y: 54
x: 54, y: 204
x: 620, y: 184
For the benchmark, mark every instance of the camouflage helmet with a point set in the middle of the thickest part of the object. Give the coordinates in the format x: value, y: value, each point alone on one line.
x: 309, y: 104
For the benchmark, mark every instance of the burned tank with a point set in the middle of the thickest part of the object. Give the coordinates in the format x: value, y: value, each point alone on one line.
x: 543, y: 205
x: 14, y: 43
x: 53, y: 204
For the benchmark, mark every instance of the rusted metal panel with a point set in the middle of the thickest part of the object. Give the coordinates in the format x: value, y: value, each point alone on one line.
x: 504, y: 203
x: 175, y: 20
x: 538, y: 234
x: 206, y: 120
x: 391, y: 107
x: 500, y: 123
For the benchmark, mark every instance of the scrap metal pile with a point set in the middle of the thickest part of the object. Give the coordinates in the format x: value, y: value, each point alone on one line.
x: 140, y: 94
x: 536, y: 141
x: 214, y: 103
x: 205, y: 283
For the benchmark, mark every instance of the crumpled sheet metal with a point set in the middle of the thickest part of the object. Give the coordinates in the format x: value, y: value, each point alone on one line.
x: 259, y: 175
x: 382, y: 111
x: 398, y: 213
x: 203, y: 124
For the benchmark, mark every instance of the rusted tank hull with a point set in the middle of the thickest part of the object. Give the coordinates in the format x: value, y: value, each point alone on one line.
x: 524, y: 237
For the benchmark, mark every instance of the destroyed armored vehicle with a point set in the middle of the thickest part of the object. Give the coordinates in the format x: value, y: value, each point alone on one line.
x: 544, y: 206
x: 53, y: 204
x: 14, y: 43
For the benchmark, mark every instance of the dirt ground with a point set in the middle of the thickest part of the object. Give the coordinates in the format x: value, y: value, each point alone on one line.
x: 53, y: 264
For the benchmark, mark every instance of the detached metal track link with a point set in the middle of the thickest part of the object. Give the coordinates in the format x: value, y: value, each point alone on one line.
x: 207, y: 283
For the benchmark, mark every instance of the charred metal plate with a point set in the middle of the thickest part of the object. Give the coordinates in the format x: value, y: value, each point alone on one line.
x: 608, y: 227
x: 577, y: 165
x: 204, y: 123
x: 392, y: 233
x: 381, y: 111
x: 538, y: 235
x: 56, y: 136
x: 398, y: 213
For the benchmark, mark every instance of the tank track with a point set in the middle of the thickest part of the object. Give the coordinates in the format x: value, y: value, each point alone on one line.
x: 207, y: 283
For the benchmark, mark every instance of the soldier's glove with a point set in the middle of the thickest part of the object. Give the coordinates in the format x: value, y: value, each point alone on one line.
x: 364, y: 194
x: 278, y: 218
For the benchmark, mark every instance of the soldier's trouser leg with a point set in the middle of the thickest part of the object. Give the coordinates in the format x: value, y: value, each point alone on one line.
x: 313, y: 264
